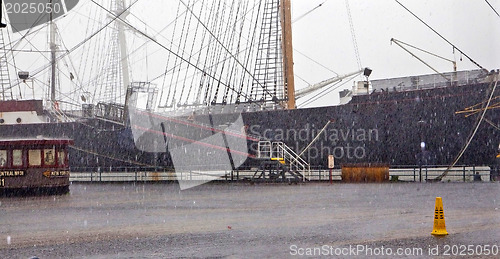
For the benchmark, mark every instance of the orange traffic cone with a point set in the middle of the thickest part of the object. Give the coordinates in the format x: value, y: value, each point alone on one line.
x: 439, y: 225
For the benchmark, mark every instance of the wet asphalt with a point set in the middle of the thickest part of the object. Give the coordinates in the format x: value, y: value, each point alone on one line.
x: 239, y: 220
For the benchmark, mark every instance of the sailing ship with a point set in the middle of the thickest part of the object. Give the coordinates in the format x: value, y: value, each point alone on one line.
x: 227, y: 84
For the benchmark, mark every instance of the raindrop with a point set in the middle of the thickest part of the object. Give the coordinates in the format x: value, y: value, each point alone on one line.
x: 8, y: 240
x: 85, y: 223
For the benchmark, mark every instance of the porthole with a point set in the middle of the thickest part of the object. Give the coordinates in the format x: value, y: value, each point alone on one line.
x: 19, y: 120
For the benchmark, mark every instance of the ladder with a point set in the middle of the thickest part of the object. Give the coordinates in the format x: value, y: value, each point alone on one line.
x: 268, y: 75
x: 5, y: 86
x: 279, y: 151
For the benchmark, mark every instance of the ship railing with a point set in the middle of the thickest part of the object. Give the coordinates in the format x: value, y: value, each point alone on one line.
x: 296, y: 162
x: 429, y: 81
x: 401, y: 173
x: 57, y: 112
x: 110, y: 111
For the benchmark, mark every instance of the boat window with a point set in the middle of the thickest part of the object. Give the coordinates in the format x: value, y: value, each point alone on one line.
x: 49, y: 156
x: 35, y: 157
x: 61, y: 157
x: 3, y: 158
x: 17, y: 157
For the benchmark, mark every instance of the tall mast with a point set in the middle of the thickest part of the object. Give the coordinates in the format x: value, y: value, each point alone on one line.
x: 286, y: 27
x: 52, y: 58
x: 123, y: 44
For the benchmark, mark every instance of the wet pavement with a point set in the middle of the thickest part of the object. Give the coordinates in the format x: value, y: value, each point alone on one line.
x: 239, y: 220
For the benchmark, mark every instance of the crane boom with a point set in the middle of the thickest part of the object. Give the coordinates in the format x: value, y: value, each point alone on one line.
x: 305, y: 91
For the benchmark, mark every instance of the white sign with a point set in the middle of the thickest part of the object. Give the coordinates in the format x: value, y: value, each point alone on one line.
x: 331, y: 162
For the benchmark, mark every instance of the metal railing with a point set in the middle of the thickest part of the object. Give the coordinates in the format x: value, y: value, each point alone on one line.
x: 397, y: 173
x: 281, y: 152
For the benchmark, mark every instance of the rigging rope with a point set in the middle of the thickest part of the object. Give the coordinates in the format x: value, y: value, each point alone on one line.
x: 182, y: 46
x: 353, y: 34
x: 211, y: 53
x: 190, y: 56
x: 316, y: 62
x: 162, y: 45
x: 217, y: 52
x: 168, y: 58
x: 14, y: 62
x: 327, y: 91
x: 238, y: 48
x: 492, y: 124
x: 204, y: 78
x: 229, y: 52
x: 249, y: 52
x: 473, y: 134
x: 115, y: 17
x: 307, y: 13
x: 109, y: 157
x: 492, y: 8
x: 441, y: 36
x: 231, y: 72
x: 219, y: 56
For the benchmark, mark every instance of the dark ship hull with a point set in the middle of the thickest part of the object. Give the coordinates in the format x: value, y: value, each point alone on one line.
x: 390, y: 128
x: 382, y: 127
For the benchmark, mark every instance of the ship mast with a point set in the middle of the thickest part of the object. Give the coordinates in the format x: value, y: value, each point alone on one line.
x: 286, y: 27
x: 53, y: 48
x: 123, y: 44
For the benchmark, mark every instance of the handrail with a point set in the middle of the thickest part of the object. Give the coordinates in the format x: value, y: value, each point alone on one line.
x: 57, y: 112
x: 279, y: 150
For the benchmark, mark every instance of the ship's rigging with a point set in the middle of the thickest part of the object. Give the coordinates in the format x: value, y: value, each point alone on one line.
x: 218, y: 67
x: 400, y: 44
x: 218, y: 54
x: 441, y: 36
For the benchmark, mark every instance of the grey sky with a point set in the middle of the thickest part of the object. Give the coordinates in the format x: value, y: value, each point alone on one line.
x: 325, y: 36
